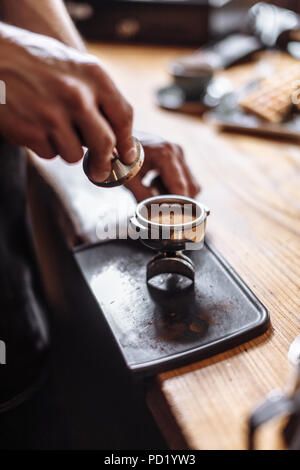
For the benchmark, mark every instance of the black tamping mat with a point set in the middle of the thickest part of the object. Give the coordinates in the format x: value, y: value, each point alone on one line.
x: 169, y: 322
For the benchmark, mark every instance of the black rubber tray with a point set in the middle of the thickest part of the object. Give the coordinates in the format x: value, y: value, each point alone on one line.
x: 168, y: 324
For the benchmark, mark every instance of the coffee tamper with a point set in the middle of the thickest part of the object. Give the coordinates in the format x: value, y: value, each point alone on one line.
x: 120, y: 173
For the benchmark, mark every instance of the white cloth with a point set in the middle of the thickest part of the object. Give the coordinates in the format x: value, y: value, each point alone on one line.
x: 89, y: 208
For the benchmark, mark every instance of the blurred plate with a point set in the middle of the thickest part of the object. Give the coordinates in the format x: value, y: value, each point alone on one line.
x: 229, y: 116
x: 176, y: 98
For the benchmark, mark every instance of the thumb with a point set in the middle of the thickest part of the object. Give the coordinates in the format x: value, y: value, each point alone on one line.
x: 140, y: 191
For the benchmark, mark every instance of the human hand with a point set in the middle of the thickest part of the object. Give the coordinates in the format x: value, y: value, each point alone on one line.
x: 58, y: 99
x: 168, y: 159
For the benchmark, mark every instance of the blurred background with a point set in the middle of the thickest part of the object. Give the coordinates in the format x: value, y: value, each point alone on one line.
x: 178, y: 22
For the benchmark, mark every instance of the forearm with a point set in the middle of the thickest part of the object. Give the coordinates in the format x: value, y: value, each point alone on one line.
x: 48, y: 17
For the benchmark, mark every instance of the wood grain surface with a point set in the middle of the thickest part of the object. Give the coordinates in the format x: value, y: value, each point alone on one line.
x: 252, y: 186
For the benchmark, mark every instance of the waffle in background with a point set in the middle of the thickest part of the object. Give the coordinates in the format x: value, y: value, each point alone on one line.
x: 272, y: 99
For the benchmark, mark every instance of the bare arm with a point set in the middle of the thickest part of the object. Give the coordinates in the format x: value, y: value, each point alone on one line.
x: 66, y: 90
x: 52, y: 91
x: 48, y: 17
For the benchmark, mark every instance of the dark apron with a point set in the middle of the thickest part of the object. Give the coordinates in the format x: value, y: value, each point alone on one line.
x: 23, y: 330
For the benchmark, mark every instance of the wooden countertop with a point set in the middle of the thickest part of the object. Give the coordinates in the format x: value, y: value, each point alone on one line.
x: 252, y: 186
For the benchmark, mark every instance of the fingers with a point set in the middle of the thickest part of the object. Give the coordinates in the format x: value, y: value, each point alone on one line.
x: 26, y: 134
x: 169, y: 160
x: 60, y: 138
x: 66, y: 143
x: 174, y: 178
x: 192, y: 183
x: 43, y: 149
x: 101, y: 141
x: 50, y: 135
x: 140, y: 191
x: 89, y: 127
x: 120, y: 116
x: 92, y: 128
x: 165, y: 158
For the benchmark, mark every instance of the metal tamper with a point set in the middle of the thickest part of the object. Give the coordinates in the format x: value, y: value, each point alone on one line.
x: 120, y: 173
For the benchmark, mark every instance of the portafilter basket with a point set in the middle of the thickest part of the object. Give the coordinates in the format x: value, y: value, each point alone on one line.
x: 170, y: 224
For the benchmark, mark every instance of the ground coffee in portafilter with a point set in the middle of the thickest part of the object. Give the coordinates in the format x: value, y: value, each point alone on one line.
x: 171, y: 214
